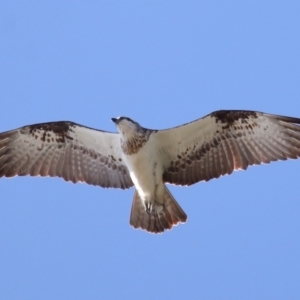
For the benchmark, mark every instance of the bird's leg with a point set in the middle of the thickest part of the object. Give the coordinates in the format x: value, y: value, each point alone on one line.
x: 149, y: 206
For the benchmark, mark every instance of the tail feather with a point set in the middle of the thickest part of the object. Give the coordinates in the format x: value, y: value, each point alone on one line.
x: 162, y: 217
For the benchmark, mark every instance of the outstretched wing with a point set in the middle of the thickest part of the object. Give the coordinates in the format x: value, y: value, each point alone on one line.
x: 67, y: 150
x: 224, y: 141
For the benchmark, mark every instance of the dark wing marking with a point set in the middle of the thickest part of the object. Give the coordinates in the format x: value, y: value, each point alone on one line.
x: 225, y: 141
x: 67, y: 150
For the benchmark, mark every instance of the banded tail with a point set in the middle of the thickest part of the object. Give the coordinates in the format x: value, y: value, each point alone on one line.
x: 161, y: 218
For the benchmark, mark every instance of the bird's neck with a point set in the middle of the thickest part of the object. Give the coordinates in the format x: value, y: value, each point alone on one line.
x: 132, y: 144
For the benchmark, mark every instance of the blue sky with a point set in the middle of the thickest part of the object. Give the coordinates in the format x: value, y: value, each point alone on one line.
x: 162, y: 63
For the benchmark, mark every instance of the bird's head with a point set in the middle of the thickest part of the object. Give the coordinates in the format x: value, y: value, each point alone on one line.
x: 126, y: 127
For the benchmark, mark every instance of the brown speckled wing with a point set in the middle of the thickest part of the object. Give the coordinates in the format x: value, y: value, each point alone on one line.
x: 64, y: 149
x: 225, y: 141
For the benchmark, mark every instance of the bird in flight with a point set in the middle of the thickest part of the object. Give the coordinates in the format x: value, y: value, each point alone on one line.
x: 207, y: 148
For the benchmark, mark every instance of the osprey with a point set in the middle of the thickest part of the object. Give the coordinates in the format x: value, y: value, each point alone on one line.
x: 207, y: 148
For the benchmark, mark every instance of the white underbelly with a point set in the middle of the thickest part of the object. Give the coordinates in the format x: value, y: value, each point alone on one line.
x: 145, y: 173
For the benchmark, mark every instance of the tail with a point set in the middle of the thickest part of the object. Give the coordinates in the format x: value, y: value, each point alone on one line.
x: 162, y: 216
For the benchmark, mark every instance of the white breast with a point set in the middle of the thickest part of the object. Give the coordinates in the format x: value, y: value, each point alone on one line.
x: 145, y: 169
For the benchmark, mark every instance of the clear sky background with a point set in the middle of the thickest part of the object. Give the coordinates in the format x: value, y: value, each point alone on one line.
x: 162, y: 63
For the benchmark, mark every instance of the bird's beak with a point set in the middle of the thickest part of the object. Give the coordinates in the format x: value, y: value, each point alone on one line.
x: 114, y: 120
